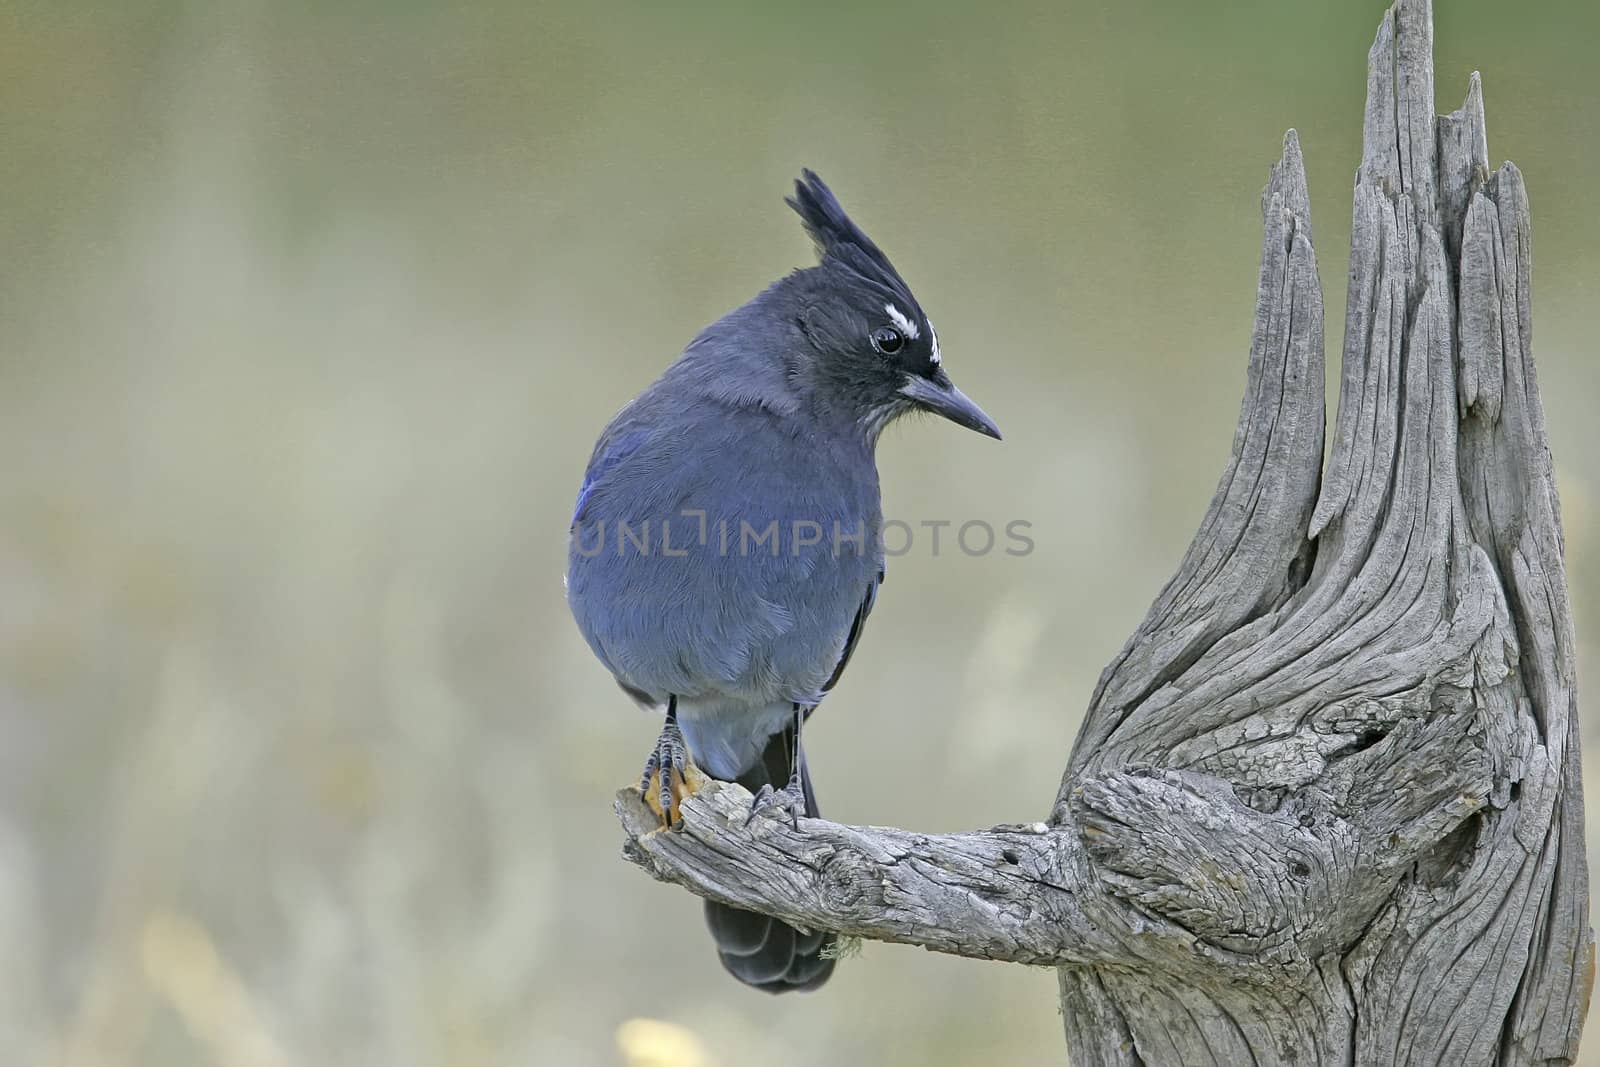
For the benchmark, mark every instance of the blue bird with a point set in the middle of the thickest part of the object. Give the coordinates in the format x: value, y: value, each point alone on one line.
x: 725, y: 551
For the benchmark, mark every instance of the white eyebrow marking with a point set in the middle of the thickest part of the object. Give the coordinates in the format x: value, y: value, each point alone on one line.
x: 934, y: 338
x: 907, y: 327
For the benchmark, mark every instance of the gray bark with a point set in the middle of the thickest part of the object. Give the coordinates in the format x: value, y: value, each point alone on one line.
x: 1326, y: 804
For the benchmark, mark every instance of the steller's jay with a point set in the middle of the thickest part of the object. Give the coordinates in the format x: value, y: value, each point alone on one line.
x: 725, y: 550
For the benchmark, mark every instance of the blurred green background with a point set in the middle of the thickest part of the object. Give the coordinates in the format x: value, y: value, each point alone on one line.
x: 309, y: 315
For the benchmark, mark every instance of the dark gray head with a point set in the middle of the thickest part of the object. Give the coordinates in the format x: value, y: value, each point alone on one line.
x: 875, y: 354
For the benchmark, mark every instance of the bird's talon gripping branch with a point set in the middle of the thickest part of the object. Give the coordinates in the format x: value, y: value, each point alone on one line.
x: 682, y: 784
x: 791, y: 799
x: 670, y: 776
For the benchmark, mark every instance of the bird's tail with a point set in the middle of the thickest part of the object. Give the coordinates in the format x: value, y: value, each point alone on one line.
x: 758, y: 950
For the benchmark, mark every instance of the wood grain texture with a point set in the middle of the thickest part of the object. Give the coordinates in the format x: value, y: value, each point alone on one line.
x: 1326, y: 803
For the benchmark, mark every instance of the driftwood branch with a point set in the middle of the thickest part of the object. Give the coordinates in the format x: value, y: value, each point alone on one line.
x: 1326, y: 803
x: 1004, y: 894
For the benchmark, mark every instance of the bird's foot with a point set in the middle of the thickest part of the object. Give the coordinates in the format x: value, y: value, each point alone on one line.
x: 670, y: 776
x: 791, y: 799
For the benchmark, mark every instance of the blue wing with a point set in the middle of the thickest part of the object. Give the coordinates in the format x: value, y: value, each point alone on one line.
x: 717, y: 615
x: 859, y: 624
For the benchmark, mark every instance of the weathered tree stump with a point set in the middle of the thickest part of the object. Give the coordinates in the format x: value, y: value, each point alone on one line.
x: 1326, y: 806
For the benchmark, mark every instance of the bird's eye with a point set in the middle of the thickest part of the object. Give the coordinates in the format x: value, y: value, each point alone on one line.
x: 887, y: 340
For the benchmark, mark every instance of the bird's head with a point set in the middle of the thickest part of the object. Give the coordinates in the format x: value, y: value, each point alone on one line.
x: 874, y: 352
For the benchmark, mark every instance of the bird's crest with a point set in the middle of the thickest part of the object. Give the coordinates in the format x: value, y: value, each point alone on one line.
x: 840, y: 240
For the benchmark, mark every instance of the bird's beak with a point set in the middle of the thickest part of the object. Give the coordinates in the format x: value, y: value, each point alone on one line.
x: 939, y: 395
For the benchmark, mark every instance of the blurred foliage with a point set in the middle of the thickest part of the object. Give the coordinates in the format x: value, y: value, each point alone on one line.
x: 309, y: 315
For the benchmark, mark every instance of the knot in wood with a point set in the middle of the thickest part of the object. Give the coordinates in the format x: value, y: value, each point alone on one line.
x: 847, y: 881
